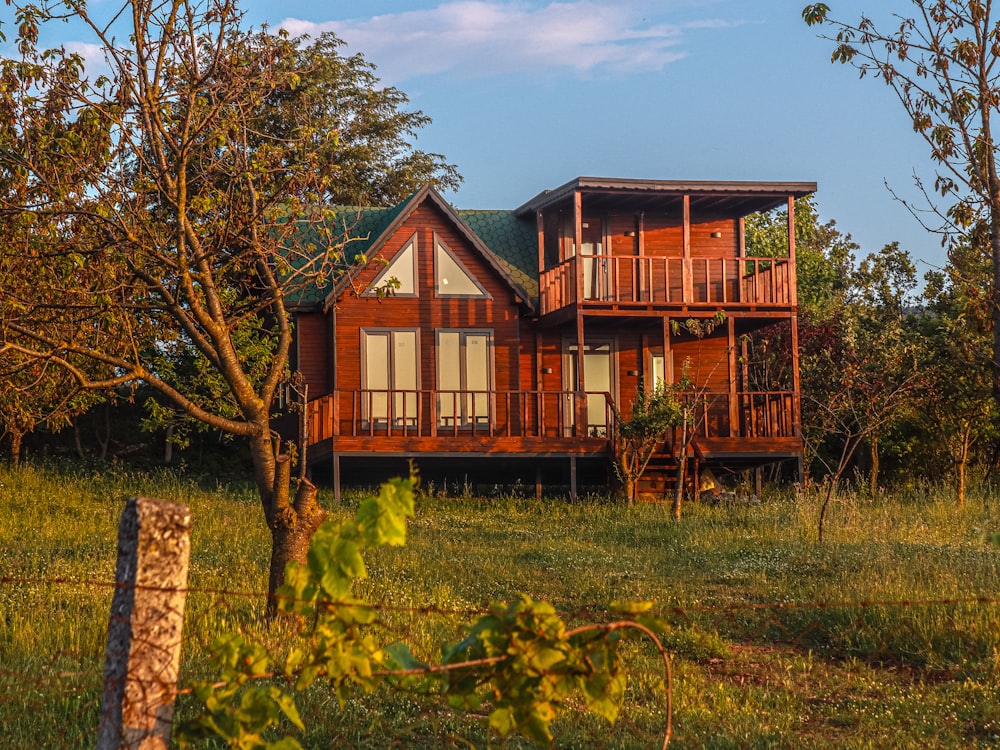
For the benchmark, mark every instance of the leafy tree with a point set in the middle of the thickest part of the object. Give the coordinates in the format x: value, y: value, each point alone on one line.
x: 860, y: 367
x: 371, y: 162
x: 941, y: 64
x: 36, y: 393
x: 168, y: 221
x: 955, y: 404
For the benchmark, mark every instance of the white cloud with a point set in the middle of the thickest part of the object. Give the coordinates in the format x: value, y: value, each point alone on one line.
x: 486, y: 37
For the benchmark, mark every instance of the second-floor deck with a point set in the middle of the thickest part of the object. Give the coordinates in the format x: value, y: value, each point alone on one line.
x: 647, y: 281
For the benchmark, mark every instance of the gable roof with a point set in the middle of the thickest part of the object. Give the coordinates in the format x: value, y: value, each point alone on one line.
x: 382, y: 224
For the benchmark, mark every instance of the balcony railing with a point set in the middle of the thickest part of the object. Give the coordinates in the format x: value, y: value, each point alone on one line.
x: 646, y: 280
x: 528, y: 414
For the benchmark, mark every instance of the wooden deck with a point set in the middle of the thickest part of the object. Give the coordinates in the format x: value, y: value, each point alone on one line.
x: 529, y: 423
x: 644, y: 281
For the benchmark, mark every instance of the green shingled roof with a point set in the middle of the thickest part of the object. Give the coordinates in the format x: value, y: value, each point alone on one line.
x: 513, y: 241
x: 362, y: 225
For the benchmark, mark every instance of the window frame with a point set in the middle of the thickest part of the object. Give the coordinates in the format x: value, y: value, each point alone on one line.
x: 441, y: 245
x: 464, y: 420
x: 385, y: 273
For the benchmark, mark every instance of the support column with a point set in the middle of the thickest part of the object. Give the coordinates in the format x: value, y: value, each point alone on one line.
x: 686, y: 267
x: 734, y: 405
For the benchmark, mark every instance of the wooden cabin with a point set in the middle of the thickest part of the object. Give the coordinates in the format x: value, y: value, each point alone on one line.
x: 494, y: 347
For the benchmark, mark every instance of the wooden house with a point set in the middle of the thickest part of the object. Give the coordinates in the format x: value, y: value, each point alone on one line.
x: 496, y: 346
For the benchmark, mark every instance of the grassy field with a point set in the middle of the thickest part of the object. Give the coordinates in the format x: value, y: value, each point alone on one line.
x: 872, y: 639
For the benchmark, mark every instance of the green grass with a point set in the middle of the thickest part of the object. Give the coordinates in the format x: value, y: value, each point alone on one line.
x: 771, y: 646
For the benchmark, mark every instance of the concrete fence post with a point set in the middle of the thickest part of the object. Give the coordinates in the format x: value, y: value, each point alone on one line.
x: 146, y: 626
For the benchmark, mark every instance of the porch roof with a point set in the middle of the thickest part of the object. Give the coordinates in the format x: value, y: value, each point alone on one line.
x: 731, y: 198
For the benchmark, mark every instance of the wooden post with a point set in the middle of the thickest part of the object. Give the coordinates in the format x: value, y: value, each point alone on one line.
x: 145, y: 630
x: 734, y: 406
x: 687, y: 282
x: 572, y: 478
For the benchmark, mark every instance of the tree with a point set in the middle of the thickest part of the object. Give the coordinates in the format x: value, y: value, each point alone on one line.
x: 168, y: 221
x: 941, y: 64
x: 860, y: 368
x: 372, y: 162
x: 956, y: 407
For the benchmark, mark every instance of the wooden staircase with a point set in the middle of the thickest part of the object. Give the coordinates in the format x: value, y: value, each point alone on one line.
x: 658, y: 480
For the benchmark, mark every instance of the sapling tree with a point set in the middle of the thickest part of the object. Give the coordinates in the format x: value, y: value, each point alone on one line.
x: 654, y: 410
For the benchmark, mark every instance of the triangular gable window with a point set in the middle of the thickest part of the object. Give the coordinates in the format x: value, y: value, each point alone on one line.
x: 451, y: 279
x: 399, y: 278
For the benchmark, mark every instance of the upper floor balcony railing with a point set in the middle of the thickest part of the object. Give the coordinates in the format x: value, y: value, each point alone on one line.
x: 644, y: 280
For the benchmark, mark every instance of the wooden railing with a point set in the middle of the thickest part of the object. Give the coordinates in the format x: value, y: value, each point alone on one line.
x: 428, y: 413
x: 528, y: 414
x: 645, y: 280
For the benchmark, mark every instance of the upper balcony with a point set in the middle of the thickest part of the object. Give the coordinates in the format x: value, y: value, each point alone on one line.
x: 629, y: 282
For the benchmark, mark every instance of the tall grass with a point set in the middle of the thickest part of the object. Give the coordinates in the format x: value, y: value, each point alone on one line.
x: 864, y: 640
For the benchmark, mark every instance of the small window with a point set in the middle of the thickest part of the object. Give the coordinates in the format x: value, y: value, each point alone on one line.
x: 399, y: 278
x: 451, y: 278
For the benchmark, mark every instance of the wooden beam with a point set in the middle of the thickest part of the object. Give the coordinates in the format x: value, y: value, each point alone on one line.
x: 792, y: 275
x: 540, y: 226
x: 734, y: 407
x: 577, y: 244
x: 336, y: 477
x: 686, y: 268
x: 580, y: 416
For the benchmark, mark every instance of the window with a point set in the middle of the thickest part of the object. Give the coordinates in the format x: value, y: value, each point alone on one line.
x: 599, y: 364
x: 389, y: 376
x: 399, y: 278
x: 451, y: 278
x: 465, y: 377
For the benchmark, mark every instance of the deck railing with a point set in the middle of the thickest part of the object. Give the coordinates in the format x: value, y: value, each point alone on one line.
x: 646, y: 280
x: 528, y: 414
x: 429, y: 413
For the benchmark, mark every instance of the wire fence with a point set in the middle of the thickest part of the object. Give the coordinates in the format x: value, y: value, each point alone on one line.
x: 52, y: 671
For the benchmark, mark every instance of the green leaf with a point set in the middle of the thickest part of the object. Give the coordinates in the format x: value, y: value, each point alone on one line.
x: 502, y: 721
x: 400, y: 657
x: 631, y: 607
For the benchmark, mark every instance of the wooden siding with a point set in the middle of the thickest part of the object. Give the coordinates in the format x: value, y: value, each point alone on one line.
x: 313, y: 358
x: 427, y: 311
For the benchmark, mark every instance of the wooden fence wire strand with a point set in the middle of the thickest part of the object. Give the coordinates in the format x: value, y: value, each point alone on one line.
x: 146, y: 626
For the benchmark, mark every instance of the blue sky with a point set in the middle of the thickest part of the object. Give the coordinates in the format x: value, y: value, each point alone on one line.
x: 528, y: 94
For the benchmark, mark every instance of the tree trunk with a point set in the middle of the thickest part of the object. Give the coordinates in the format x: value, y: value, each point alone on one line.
x: 292, y: 524
x: 15, y: 445
x: 873, y: 478
x: 290, y: 538
x: 962, y: 463
x: 681, y: 471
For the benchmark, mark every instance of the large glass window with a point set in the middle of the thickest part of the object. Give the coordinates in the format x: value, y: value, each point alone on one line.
x: 389, y: 376
x: 399, y: 278
x: 599, y: 380
x: 451, y: 278
x: 465, y: 377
